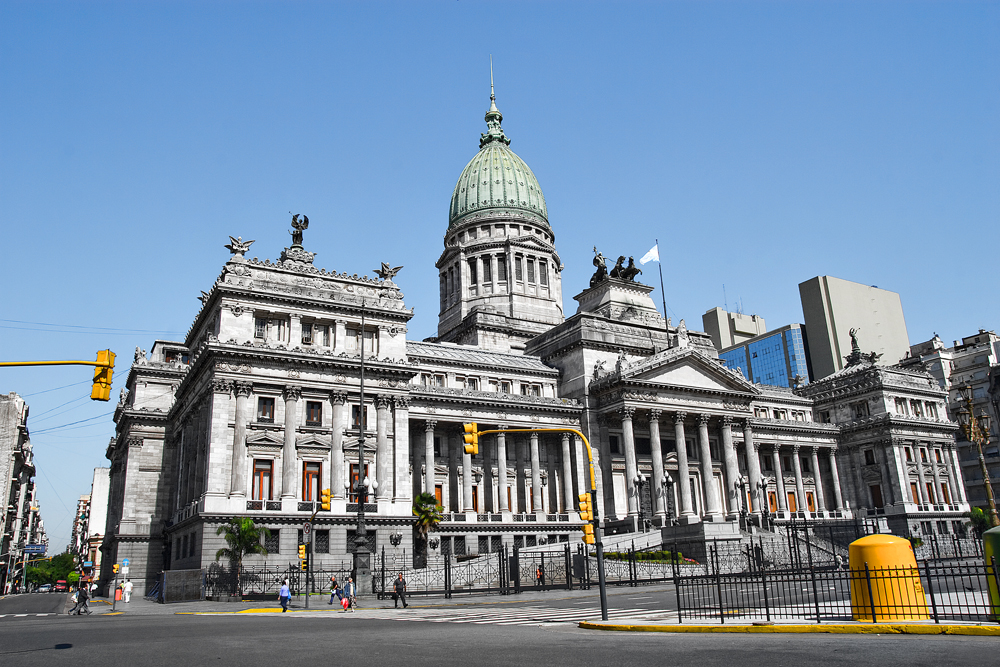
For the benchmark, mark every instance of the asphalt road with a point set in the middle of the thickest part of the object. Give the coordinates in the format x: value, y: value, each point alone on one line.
x: 283, y: 639
x: 33, y: 603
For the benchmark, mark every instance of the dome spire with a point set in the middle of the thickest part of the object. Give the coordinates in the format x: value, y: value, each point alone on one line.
x: 493, y: 119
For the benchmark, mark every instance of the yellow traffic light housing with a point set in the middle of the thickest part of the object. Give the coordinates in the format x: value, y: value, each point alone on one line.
x: 303, y: 558
x: 324, y: 499
x: 588, y: 533
x: 302, y: 551
x: 471, y: 438
x: 586, y: 511
x: 114, y: 568
x: 102, y: 376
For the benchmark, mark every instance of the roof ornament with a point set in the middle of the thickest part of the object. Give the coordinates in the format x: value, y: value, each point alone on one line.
x: 238, y: 247
x: 387, y: 273
x: 299, y: 227
x: 856, y: 356
x: 493, y: 119
x: 296, y: 255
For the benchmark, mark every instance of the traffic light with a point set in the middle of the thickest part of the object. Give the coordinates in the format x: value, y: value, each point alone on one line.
x: 303, y: 558
x: 471, y: 439
x: 102, y: 376
x: 587, y: 514
x: 324, y: 499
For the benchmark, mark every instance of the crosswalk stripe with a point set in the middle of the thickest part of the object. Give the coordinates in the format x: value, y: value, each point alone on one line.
x: 523, y: 616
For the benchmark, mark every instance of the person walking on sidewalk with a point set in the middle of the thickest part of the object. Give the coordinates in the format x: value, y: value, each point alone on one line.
x: 82, y: 596
x: 333, y: 589
x: 350, y: 593
x: 399, y: 591
x: 127, y: 590
x: 284, y: 595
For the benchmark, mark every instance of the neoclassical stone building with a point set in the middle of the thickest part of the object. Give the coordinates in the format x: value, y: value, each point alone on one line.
x: 259, y: 408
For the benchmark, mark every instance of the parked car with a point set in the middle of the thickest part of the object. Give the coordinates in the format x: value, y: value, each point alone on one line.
x: 44, y: 588
x: 61, y: 586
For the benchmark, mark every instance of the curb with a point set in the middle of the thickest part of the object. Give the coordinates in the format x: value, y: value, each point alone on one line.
x: 868, y: 629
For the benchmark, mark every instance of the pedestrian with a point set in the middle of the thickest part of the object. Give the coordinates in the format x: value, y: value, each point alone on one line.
x: 127, y: 590
x: 284, y: 595
x: 399, y: 591
x: 334, y: 586
x: 539, y: 576
x: 350, y: 592
x: 82, y: 596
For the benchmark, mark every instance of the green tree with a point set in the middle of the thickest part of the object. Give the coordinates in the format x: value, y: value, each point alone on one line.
x: 429, y: 514
x: 244, y: 538
x: 978, y: 521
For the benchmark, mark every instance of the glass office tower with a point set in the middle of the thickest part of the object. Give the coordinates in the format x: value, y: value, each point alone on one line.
x: 775, y: 358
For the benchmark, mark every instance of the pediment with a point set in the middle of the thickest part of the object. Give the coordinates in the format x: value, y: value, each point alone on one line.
x: 312, y: 442
x: 688, y: 369
x: 263, y: 438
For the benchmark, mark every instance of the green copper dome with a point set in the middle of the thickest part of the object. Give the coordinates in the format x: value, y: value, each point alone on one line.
x: 496, y: 183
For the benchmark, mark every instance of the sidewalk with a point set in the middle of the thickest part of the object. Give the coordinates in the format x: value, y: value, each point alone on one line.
x: 797, y: 627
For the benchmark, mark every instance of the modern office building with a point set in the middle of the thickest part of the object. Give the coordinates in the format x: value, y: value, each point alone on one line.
x: 777, y: 358
x: 833, y: 307
x: 97, y: 515
x: 728, y: 329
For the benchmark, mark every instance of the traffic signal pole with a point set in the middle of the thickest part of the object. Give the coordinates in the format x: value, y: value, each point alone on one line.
x: 595, y: 518
x: 105, y: 366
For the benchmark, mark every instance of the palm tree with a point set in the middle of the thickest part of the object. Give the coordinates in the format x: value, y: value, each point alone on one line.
x: 429, y: 515
x: 244, y: 539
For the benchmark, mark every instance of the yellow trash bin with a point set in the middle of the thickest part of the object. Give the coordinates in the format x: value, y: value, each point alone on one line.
x: 892, y: 577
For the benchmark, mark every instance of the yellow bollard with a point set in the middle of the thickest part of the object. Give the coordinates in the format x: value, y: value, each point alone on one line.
x: 991, y: 550
x: 891, y: 577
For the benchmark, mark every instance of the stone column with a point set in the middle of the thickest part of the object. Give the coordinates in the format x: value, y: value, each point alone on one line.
x: 631, y: 467
x: 487, y: 448
x: 936, y: 473
x: 466, y: 478
x: 922, y: 486
x: 238, y: 482
x: 454, y: 438
x: 838, y: 496
x: 502, y: 469
x: 429, y: 456
x: 536, y: 475
x: 732, y: 466
x: 606, y: 497
x: 779, y: 479
x: 800, y: 489
x: 338, y: 399
x: 383, y: 457
x: 656, y: 450
x: 402, y: 480
x: 818, y: 476
x: 289, y: 459
x: 582, y: 481
x: 520, y: 500
x: 569, y: 503
x: 713, y: 512
x: 753, y: 468
x: 904, y: 481
x: 683, y: 473
x: 956, y: 468
x: 554, y: 475
x: 952, y: 484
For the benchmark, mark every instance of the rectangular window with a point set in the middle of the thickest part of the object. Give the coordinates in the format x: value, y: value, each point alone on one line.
x: 311, y: 475
x: 518, y: 270
x: 772, y: 501
x: 321, y: 541
x: 768, y: 465
x: 937, y: 455
x: 876, y: 491
x: 473, y: 278
x: 323, y: 334
x: 279, y: 327
x: 914, y: 494
x: 501, y: 268
x: 804, y: 462
x: 314, y: 413
x: 371, y: 341
x: 265, y: 410
x: 353, y: 493
x: 909, y: 453
x: 356, y: 417
x: 351, y: 340
x: 931, y: 410
x: 613, y: 444
x: 786, y: 463
x: 793, y: 506
x: 504, y: 387
x: 531, y: 271
x: 272, y: 543
x: 487, y: 269
x: 543, y: 273
x: 307, y: 333
x: 945, y: 494
x: 810, y: 501
x: 260, y: 328
x: 262, y: 475
x: 923, y: 455
x: 931, y: 496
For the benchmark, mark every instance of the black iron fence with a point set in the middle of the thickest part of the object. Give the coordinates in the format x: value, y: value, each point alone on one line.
x: 934, y: 590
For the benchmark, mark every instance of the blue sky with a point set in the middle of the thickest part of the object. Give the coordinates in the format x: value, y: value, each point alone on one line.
x: 762, y: 143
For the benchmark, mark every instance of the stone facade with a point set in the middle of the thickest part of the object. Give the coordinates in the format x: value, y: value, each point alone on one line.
x: 259, y: 408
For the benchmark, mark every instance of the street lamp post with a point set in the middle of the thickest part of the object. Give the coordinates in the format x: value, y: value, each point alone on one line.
x: 977, y: 431
x: 668, y: 500
x: 362, y: 556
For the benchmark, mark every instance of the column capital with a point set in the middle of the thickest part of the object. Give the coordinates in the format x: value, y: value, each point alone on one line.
x: 704, y: 419
x: 654, y: 414
x: 429, y: 425
x: 626, y: 412
x: 401, y: 402
x: 292, y: 393
x: 383, y: 402
x: 796, y: 448
x: 679, y: 417
x: 726, y: 421
x: 222, y: 386
x: 756, y: 446
x: 745, y: 422
x: 501, y: 427
x: 242, y: 388
x: 565, y: 437
x: 338, y: 397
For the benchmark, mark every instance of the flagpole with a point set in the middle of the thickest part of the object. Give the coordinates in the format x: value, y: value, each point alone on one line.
x: 663, y: 294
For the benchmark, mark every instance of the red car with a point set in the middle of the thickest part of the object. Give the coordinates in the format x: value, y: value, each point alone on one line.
x: 61, y: 586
